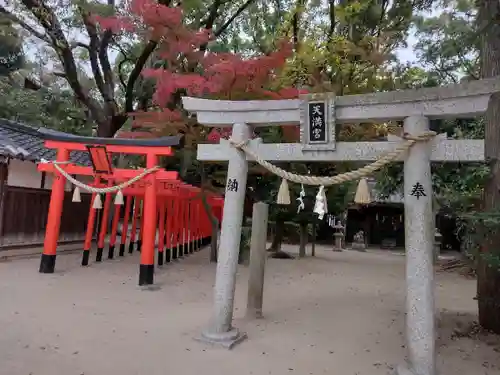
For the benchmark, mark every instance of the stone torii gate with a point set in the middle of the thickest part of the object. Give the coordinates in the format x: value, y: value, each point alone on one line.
x: 318, y: 115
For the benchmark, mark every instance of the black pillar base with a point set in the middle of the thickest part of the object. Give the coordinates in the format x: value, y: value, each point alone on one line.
x: 191, y: 248
x: 180, y: 251
x: 47, y: 263
x: 139, y: 245
x: 186, y: 249
x: 111, y: 252
x: 146, y: 274
x: 160, y: 258
x: 121, y: 252
x: 85, y: 257
x: 98, y: 257
x: 131, y: 247
x: 174, y: 252
x: 168, y: 253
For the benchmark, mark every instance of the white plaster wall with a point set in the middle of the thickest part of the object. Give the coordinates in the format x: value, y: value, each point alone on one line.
x: 26, y: 174
x: 23, y: 174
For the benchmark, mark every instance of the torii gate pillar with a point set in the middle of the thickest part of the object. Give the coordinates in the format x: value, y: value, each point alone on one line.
x: 419, y: 234
x: 221, y: 330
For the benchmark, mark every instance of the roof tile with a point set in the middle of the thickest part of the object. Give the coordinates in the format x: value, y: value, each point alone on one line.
x: 20, y: 141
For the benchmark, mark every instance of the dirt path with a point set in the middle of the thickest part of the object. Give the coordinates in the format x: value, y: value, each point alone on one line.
x: 338, y: 313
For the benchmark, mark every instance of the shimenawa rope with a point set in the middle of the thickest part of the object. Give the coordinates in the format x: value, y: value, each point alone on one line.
x: 110, y: 189
x: 344, y: 177
x: 320, y: 206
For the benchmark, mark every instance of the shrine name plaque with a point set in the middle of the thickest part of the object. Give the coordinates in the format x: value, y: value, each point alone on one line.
x: 317, y: 122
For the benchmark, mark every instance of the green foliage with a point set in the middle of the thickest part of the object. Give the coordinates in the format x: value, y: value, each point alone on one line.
x: 475, y: 227
x: 11, y: 52
x: 55, y: 110
x: 448, y: 44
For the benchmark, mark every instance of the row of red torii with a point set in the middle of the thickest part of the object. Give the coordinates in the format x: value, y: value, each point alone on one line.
x: 157, y: 203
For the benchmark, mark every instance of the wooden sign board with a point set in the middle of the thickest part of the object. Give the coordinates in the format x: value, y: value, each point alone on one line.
x: 317, y: 122
x: 100, y: 159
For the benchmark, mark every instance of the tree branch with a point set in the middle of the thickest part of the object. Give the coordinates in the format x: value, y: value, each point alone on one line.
x: 135, y: 73
x: 231, y: 19
x: 104, y: 59
x: 48, y: 20
x: 120, y: 76
x: 94, y: 46
x: 212, y: 14
x: 79, y: 44
x: 120, y: 49
x: 139, y: 65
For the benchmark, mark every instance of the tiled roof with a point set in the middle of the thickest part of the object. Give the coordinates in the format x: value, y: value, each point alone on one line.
x: 20, y: 141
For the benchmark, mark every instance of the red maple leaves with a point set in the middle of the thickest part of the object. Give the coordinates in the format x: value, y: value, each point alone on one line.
x: 189, y: 68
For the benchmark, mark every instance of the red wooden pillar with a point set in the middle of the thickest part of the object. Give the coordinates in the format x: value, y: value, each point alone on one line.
x: 126, y: 218
x: 175, y: 226
x: 161, y: 231
x: 191, y: 219
x: 199, y: 213
x: 182, y: 226
x: 194, y: 217
x: 204, y: 226
x: 114, y: 230
x: 48, y: 259
x: 133, y: 230
x: 185, y: 230
x: 89, y: 233
x: 146, y: 268
x: 140, y: 234
x: 104, y: 227
x: 186, y: 225
x: 168, y: 229
x: 202, y: 221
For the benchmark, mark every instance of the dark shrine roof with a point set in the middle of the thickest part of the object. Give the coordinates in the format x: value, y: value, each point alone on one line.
x: 24, y: 142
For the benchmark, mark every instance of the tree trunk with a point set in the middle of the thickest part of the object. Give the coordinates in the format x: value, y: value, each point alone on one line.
x: 109, y: 128
x: 303, y: 240
x: 186, y: 162
x: 279, y: 229
x: 488, y: 278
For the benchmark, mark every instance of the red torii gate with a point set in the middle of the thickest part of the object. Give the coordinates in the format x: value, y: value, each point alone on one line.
x: 183, y: 224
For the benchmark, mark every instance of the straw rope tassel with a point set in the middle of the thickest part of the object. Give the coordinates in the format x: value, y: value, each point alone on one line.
x: 97, y: 202
x: 363, y: 195
x: 76, y: 195
x: 119, y: 198
x: 283, y: 193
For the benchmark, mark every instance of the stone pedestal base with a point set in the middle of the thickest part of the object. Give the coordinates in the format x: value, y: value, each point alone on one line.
x: 227, y: 339
x: 358, y: 246
x: 339, y: 239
